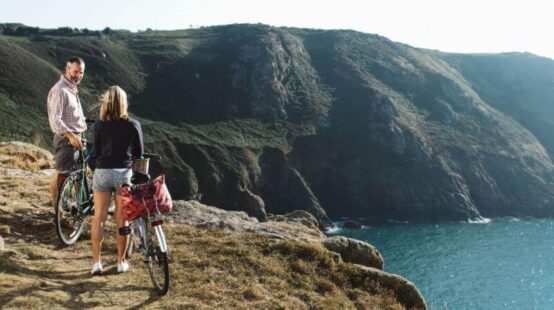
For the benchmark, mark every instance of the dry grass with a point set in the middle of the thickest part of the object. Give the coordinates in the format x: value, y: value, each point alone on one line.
x: 25, y: 156
x: 250, y: 271
x: 210, y: 268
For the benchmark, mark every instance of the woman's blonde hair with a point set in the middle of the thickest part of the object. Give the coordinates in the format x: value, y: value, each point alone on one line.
x: 114, y: 105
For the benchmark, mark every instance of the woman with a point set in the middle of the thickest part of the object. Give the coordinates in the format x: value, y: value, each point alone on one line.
x: 117, y: 139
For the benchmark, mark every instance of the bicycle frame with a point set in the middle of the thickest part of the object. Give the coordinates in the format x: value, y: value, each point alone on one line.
x: 84, y: 197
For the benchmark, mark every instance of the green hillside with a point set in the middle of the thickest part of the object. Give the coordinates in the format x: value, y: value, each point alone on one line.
x: 342, y: 123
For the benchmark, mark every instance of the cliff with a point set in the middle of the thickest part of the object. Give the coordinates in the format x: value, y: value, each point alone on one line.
x: 338, y: 123
x: 219, y: 259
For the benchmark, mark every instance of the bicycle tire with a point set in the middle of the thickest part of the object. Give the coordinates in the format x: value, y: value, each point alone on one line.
x: 157, y: 262
x: 64, y: 211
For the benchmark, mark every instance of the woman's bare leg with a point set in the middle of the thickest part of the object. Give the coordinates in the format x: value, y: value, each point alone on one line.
x: 120, y: 221
x: 101, y: 202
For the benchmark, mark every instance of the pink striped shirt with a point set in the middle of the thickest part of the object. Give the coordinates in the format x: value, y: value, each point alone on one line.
x: 64, y: 108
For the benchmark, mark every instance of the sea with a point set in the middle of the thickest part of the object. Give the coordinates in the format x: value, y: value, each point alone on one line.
x: 505, y: 263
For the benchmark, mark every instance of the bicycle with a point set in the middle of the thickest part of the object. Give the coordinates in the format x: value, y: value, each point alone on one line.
x: 151, y: 242
x: 74, y: 201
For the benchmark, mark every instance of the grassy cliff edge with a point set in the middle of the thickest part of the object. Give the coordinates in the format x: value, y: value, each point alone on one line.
x: 222, y: 259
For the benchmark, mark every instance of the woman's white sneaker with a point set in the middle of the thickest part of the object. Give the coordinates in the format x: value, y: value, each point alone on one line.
x: 122, y: 267
x: 96, y: 269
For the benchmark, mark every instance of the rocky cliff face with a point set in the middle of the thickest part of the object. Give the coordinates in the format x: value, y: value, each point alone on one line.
x: 337, y: 123
x: 258, y: 181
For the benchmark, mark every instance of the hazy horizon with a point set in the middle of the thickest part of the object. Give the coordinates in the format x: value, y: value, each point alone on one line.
x: 457, y: 26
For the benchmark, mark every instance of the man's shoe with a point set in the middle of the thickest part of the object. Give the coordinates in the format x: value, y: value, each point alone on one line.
x: 96, y: 269
x: 122, y: 267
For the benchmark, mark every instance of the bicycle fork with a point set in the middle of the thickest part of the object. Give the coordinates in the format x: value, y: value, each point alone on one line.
x: 161, y: 238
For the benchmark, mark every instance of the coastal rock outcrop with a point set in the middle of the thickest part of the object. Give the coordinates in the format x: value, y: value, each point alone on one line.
x: 367, y: 262
x: 299, y: 216
x: 403, y: 289
x: 355, y: 251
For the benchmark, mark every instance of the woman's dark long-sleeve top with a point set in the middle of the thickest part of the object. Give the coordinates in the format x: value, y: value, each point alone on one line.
x: 116, y: 143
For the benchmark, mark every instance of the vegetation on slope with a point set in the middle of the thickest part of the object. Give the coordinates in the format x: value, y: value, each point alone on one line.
x: 372, y: 127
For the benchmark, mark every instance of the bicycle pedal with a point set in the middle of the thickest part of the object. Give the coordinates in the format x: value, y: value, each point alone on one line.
x: 125, y: 230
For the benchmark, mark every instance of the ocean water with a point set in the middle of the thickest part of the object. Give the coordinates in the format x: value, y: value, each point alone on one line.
x: 499, y: 264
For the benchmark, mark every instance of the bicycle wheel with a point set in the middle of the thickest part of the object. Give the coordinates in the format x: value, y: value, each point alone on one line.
x: 69, y: 222
x: 157, y: 260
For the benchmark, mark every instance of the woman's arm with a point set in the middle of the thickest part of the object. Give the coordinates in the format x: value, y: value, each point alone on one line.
x: 138, y: 142
x: 96, y: 149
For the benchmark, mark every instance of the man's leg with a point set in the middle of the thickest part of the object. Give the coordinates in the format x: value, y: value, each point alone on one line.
x: 64, y: 158
x: 54, y: 187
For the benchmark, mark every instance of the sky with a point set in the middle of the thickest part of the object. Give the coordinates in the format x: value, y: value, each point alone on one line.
x: 469, y: 26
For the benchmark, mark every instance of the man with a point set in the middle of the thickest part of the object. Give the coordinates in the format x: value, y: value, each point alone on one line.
x: 66, y: 118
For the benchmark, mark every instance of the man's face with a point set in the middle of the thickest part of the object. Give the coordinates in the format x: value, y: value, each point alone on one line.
x: 75, y: 72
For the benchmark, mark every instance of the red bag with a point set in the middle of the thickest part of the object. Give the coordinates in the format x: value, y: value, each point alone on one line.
x: 144, y: 199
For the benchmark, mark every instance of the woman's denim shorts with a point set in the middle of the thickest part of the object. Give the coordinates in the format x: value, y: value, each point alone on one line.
x: 109, y: 180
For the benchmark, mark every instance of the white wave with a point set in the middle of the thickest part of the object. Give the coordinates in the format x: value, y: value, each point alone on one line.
x: 479, y: 220
x: 333, y: 230
x: 338, y: 223
x: 397, y: 222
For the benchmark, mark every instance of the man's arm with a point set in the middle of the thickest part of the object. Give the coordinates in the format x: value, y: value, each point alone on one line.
x: 56, y: 101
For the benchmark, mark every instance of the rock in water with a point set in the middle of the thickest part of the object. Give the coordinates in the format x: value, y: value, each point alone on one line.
x: 351, y: 224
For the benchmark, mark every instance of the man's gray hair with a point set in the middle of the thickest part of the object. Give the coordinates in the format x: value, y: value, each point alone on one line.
x: 74, y: 59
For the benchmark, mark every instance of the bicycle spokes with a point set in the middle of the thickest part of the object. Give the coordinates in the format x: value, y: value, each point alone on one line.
x: 69, y: 216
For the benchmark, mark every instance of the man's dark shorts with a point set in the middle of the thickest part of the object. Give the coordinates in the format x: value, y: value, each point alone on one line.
x: 64, y: 153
